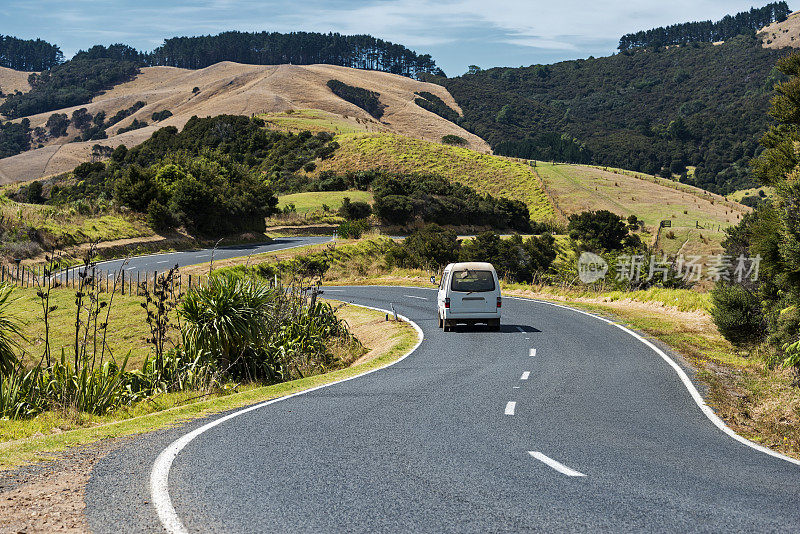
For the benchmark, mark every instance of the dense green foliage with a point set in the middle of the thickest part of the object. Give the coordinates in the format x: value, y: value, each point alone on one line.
x: 367, y: 100
x: 516, y: 259
x: 597, y: 230
x: 737, y: 314
x: 233, y: 328
x: 743, y: 23
x: 401, y: 199
x: 68, y: 84
x: 353, y: 211
x: 28, y: 55
x: 215, y: 176
x: 15, y: 137
x: 696, y: 104
x: 298, y: 48
x: 456, y: 140
x: 771, y: 233
x: 434, y: 104
x: 546, y: 146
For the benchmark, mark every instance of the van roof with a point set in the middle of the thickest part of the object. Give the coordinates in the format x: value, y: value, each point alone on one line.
x: 473, y: 265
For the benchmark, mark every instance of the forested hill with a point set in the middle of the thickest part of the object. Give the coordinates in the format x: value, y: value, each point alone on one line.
x: 647, y: 110
x: 28, y: 55
x: 264, y: 48
x: 299, y: 48
x: 744, y: 23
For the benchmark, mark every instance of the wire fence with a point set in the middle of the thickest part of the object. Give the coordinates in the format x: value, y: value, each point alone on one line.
x: 125, y: 282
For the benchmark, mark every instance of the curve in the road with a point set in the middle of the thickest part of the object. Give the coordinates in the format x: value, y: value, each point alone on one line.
x: 425, y: 446
x: 159, y: 474
x: 687, y: 382
x: 164, y: 261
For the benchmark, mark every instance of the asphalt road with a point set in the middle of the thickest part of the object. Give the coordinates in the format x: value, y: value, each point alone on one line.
x: 433, y: 444
x: 163, y: 262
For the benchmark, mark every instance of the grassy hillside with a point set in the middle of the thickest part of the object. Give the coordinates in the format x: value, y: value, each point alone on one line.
x: 577, y: 188
x: 484, y: 173
x: 313, y: 201
x: 698, y: 219
x: 27, y: 228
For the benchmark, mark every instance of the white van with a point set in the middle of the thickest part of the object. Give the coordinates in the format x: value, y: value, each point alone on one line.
x: 469, y: 293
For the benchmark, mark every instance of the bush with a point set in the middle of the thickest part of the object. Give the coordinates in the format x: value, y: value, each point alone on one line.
x: 597, y: 230
x: 450, y: 139
x: 430, y: 247
x: 159, y: 217
x: 367, y: 100
x: 159, y: 116
x: 515, y: 259
x: 353, y: 211
x: 227, y: 317
x: 352, y: 229
x: 737, y: 314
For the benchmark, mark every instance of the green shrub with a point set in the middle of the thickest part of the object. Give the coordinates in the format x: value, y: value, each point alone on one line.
x: 10, y: 332
x: 159, y: 217
x: 451, y: 139
x: 597, y: 230
x: 431, y: 247
x: 515, y: 259
x: 737, y: 314
x: 367, y: 100
x: 353, y: 211
x: 352, y: 229
x: 227, y: 317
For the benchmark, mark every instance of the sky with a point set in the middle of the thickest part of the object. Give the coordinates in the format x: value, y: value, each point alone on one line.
x: 457, y: 33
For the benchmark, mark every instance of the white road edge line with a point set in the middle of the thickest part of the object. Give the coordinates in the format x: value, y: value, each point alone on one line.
x: 510, y: 407
x: 687, y: 382
x: 525, y: 375
x: 558, y: 466
x: 533, y: 353
x: 159, y: 474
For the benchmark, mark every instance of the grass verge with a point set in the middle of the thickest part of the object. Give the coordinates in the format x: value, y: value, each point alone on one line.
x: 25, y: 441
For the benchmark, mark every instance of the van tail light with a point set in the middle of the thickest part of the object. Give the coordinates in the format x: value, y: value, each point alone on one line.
x: 499, y: 302
x: 447, y: 302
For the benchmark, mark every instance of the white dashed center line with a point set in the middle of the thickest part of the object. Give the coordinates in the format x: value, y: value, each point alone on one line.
x: 561, y: 468
x: 525, y: 375
x: 510, y: 407
x: 520, y: 329
x: 415, y: 297
x: 533, y: 353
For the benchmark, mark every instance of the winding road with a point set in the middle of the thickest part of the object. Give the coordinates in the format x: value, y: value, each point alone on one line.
x: 560, y: 422
x: 165, y: 261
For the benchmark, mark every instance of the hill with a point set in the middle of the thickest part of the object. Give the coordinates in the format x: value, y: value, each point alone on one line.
x: 651, y: 110
x: 232, y: 88
x: 482, y: 172
x: 13, y: 80
x: 782, y: 34
x: 552, y: 192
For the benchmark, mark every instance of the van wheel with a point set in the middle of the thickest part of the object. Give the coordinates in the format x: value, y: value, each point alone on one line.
x: 441, y: 323
x: 447, y: 326
x: 494, y: 325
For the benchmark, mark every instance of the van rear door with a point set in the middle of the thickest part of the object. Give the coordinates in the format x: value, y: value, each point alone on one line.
x: 473, y: 291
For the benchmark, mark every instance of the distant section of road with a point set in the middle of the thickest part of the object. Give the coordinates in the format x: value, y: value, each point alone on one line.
x: 163, y: 262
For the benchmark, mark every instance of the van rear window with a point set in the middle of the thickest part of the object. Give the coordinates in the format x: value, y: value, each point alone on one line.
x: 472, y: 281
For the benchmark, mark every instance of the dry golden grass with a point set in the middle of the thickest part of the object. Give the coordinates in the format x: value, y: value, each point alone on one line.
x: 13, y: 80
x: 233, y: 88
x: 782, y: 34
